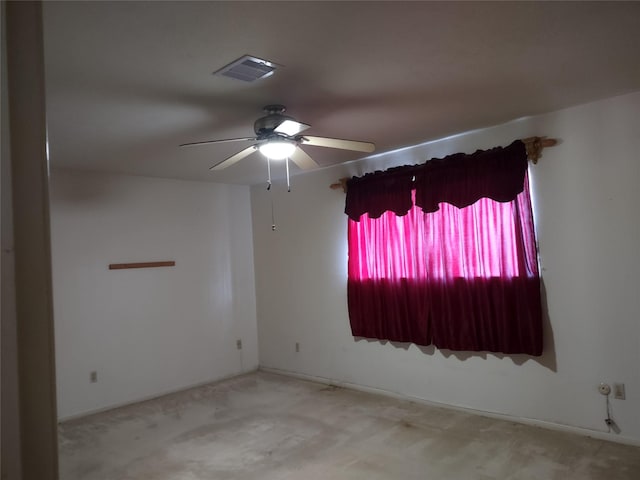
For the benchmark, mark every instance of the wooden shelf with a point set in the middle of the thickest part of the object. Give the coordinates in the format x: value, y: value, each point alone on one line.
x: 122, y: 266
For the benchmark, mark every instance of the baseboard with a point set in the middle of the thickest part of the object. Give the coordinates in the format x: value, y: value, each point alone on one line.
x: 86, y: 413
x: 499, y: 416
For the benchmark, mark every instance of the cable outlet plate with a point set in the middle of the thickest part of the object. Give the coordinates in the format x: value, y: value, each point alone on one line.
x: 604, y: 389
x: 618, y: 391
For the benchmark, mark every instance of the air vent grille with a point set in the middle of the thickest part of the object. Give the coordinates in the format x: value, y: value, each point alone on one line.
x: 247, y: 69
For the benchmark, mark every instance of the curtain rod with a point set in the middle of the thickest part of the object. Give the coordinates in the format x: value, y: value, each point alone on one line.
x: 534, y: 146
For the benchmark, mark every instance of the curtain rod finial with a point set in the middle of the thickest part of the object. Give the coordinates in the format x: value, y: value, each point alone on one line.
x: 341, y: 183
x: 535, y: 145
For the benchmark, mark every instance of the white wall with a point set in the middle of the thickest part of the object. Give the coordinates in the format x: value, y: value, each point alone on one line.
x: 148, y: 331
x: 586, y: 200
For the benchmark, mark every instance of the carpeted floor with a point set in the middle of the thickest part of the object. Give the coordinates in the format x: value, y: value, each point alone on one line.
x: 265, y: 426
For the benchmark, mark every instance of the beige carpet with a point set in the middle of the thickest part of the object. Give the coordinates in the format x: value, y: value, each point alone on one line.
x: 264, y: 426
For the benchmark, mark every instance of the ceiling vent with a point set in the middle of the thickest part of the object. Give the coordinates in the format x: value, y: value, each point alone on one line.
x: 247, y: 69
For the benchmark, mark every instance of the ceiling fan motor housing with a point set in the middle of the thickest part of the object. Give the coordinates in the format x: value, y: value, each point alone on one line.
x: 272, y: 120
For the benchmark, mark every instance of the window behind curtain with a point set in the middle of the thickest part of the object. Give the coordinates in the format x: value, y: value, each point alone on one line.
x: 458, y: 278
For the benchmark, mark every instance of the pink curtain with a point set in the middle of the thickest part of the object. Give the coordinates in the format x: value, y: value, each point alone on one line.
x: 457, y: 278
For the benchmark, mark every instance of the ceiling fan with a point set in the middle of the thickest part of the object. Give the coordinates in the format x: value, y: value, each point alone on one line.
x: 277, y: 137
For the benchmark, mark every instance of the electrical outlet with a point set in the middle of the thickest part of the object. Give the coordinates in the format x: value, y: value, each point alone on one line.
x: 239, y: 344
x: 618, y: 391
x: 93, y: 377
x: 297, y: 347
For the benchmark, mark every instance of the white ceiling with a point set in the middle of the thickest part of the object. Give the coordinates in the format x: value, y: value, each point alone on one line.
x: 127, y: 82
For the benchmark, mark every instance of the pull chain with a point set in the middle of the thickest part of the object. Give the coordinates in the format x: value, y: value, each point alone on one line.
x: 269, y: 173
x: 273, y: 217
x: 288, y: 183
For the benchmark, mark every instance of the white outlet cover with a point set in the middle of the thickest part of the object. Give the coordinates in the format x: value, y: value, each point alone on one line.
x: 604, y: 389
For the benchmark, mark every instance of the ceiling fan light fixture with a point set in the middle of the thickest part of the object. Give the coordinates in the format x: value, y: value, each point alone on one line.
x: 277, y: 149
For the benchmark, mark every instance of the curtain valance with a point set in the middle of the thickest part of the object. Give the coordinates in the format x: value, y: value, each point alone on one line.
x: 459, y: 179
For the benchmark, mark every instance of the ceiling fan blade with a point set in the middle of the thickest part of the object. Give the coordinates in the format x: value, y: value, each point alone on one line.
x: 337, y: 143
x: 235, y: 158
x: 302, y: 160
x: 209, y: 142
x: 291, y: 127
